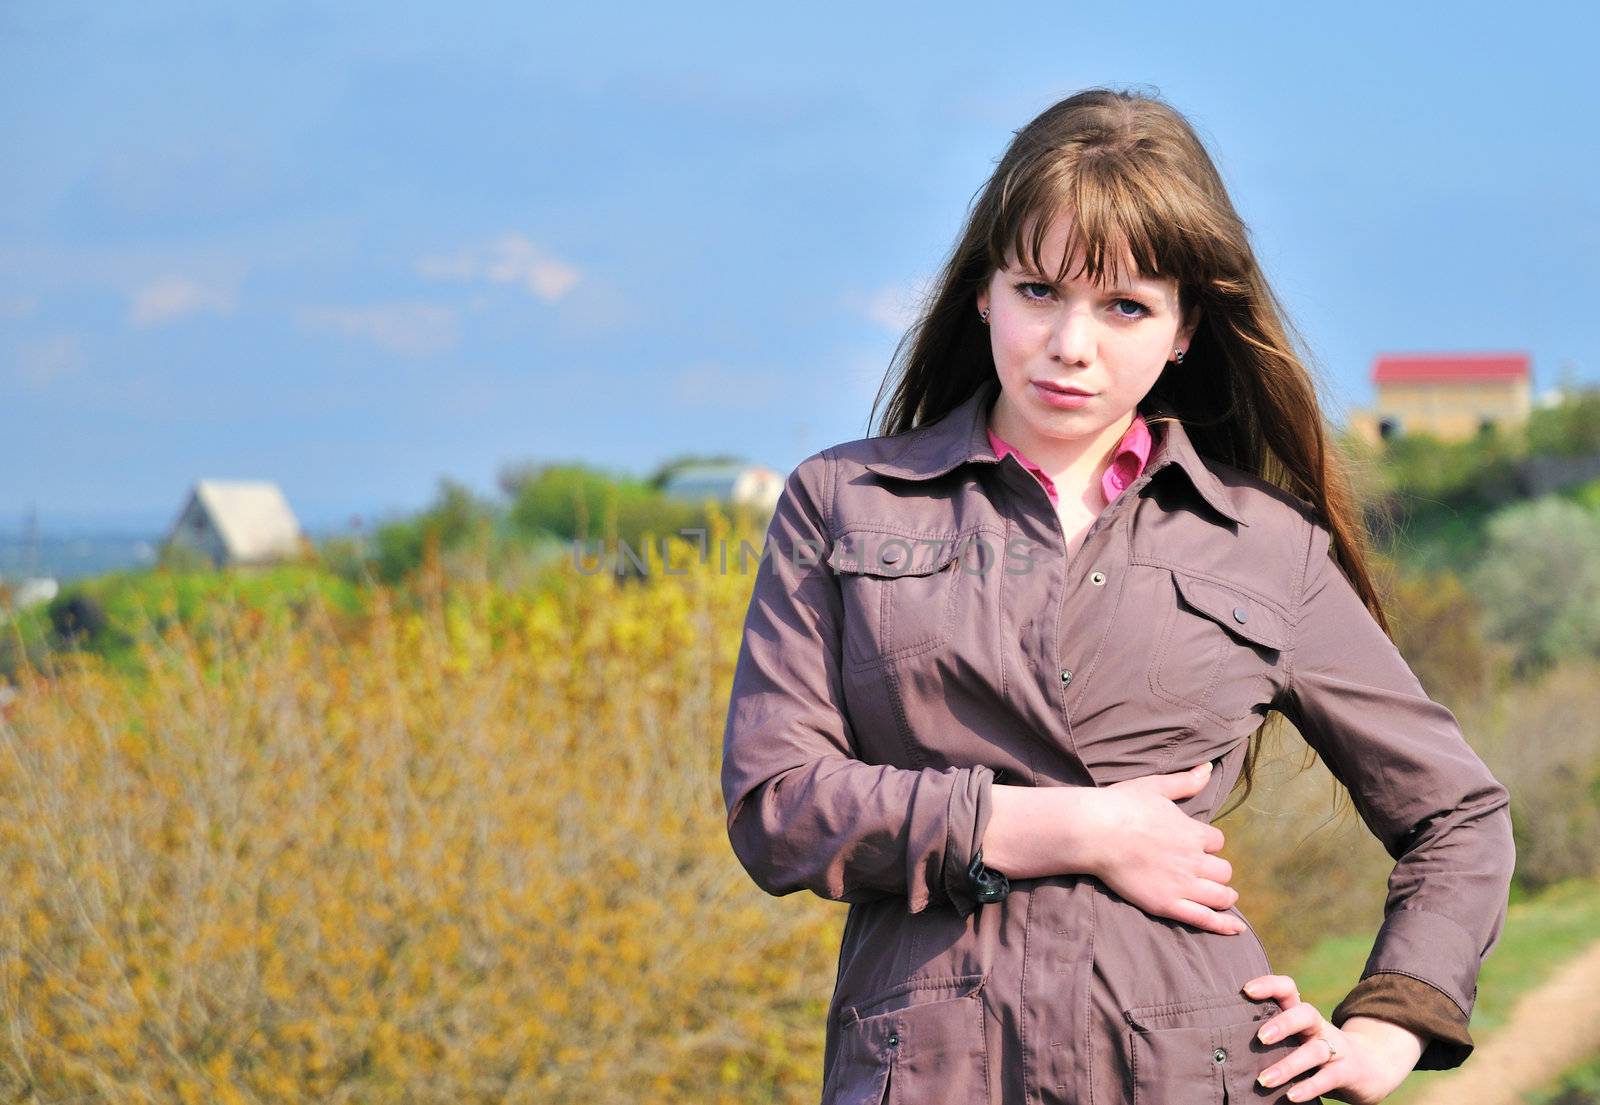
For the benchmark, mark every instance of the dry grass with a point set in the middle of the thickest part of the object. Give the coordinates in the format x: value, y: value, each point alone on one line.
x: 468, y: 852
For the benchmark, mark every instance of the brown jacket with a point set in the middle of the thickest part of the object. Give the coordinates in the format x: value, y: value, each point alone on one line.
x: 917, y: 631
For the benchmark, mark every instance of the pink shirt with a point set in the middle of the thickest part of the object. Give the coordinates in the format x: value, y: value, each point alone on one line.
x: 1127, y: 460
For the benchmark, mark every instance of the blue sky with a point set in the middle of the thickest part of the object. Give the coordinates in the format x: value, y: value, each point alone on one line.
x: 357, y: 248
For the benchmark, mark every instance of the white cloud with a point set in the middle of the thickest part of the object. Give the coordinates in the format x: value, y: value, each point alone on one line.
x: 712, y: 384
x: 173, y: 297
x: 43, y: 363
x: 509, y: 259
x: 459, y: 266
x: 410, y: 329
x: 18, y: 306
x: 895, y: 307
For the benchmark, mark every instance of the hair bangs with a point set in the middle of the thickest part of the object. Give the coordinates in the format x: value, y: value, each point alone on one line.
x: 1119, y: 230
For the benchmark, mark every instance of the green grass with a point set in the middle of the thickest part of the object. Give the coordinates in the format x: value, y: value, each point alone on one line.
x: 1540, y: 934
x: 1577, y: 1085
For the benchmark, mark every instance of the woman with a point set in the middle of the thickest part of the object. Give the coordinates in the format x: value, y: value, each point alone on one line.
x: 1003, y: 662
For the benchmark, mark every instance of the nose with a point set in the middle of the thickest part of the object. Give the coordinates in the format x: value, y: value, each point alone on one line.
x: 1072, y: 338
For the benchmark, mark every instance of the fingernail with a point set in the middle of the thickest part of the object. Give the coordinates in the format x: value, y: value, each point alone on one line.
x: 1252, y: 988
x: 1268, y: 1035
x: 1268, y: 1080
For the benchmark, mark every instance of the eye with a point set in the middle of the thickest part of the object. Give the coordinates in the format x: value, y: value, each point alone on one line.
x: 1142, y: 310
x: 1022, y: 290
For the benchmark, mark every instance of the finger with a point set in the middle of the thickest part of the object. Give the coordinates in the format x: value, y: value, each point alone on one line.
x: 1194, y: 913
x: 1312, y: 1053
x: 1213, y: 838
x: 1281, y: 987
x: 1302, y: 1018
x: 1214, y: 868
x: 1182, y: 784
x: 1211, y: 894
x: 1325, y: 1079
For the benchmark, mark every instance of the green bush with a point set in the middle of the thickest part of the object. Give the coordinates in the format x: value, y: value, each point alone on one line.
x: 130, y: 601
x: 574, y: 503
x: 457, y: 519
x: 1571, y: 428
x: 1538, y: 582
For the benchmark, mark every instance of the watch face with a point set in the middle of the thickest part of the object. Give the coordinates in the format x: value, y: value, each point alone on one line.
x: 988, y: 886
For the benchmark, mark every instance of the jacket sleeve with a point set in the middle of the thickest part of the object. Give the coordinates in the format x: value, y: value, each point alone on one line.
x: 1419, y: 1006
x: 804, y: 810
x: 1417, y: 785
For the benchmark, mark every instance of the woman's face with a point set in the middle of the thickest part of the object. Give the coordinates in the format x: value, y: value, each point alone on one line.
x: 1110, y: 343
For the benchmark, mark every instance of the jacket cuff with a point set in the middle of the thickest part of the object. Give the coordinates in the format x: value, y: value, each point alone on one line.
x: 1431, y: 948
x: 1414, y: 1004
x: 967, y: 819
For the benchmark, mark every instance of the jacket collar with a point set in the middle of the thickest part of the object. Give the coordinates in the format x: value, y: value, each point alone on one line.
x: 962, y: 436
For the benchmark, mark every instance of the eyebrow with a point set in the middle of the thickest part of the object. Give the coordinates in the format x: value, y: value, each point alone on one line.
x: 1143, y: 287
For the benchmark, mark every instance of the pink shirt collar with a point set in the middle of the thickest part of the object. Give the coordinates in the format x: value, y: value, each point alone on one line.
x: 1127, y: 460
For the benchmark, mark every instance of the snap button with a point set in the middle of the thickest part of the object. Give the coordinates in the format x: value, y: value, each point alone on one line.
x: 1220, y: 1054
x: 893, y: 553
x: 1097, y: 578
x: 1066, y: 676
x: 1240, y: 614
x: 894, y: 1039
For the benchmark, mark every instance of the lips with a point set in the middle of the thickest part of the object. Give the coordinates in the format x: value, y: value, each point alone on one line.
x: 1064, y: 389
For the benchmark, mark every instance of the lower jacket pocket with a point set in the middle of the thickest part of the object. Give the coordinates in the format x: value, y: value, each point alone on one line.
x: 1174, y: 1066
x: 924, y: 1042
x: 859, y: 1073
x: 1204, y: 1052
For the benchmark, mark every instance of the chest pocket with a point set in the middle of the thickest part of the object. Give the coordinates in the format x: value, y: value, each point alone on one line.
x: 1219, y: 648
x: 900, y: 592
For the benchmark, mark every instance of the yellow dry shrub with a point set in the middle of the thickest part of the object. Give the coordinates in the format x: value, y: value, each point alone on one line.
x: 470, y: 848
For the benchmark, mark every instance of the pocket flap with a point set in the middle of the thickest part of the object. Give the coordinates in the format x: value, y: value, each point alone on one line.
x: 876, y: 552
x: 1236, y: 611
x: 1201, y: 1011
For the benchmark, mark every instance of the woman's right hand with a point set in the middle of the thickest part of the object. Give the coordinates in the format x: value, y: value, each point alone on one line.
x: 1130, y: 835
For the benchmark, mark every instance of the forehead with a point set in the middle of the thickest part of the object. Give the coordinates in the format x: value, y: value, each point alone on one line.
x: 1063, y: 252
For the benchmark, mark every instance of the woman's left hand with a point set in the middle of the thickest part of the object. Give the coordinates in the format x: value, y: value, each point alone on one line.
x: 1361, y: 1063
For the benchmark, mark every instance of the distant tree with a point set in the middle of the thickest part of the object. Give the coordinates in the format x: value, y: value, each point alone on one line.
x: 1571, y: 428
x: 77, y: 618
x: 1538, y: 582
x: 346, y: 557
x: 1437, y: 627
x: 457, y: 518
x: 1477, y: 469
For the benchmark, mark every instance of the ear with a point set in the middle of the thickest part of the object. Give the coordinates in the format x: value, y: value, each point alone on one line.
x: 1190, y: 324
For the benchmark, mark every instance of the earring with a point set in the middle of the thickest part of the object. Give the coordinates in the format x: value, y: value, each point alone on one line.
x: 1177, y: 356
x: 984, y: 314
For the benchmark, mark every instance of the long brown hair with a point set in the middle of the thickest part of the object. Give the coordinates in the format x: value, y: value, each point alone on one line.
x: 1139, y: 182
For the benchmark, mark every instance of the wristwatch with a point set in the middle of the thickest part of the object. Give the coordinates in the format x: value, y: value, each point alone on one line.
x: 988, y: 885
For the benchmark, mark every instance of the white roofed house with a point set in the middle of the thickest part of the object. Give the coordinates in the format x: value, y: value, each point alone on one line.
x: 754, y: 485
x: 236, y: 523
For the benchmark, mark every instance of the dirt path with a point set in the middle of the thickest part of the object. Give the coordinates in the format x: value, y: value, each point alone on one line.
x: 1550, y: 1028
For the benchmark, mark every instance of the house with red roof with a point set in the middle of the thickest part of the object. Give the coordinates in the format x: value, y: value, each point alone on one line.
x: 1451, y: 396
